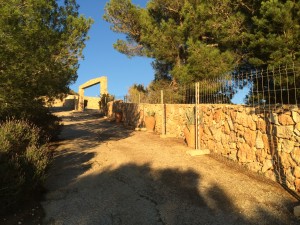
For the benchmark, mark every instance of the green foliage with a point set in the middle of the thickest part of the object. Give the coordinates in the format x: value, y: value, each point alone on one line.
x: 24, y: 157
x: 275, y: 35
x: 150, y: 113
x: 104, y: 99
x: 187, y: 38
x: 137, y: 93
x: 36, y: 113
x: 190, y: 117
x: 41, y: 43
x: 191, y: 40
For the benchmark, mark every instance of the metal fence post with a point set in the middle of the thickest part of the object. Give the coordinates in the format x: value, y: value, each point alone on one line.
x: 163, y: 127
x: 197, y: 115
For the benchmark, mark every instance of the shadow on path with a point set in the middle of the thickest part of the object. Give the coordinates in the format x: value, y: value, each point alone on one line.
x: 138, y: 194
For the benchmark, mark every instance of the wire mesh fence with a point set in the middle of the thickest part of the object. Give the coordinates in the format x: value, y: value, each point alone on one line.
x: 265, y: 86
x: 168, y: 95
x: 254, y: 87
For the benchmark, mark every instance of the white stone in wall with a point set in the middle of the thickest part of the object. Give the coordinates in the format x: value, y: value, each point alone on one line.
x: 296, y: 117
x: 259, y: 143
x: 267, y: 166
x: 274, y: 118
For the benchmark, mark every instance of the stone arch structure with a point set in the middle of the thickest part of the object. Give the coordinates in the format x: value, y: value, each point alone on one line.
x: 90, y: 83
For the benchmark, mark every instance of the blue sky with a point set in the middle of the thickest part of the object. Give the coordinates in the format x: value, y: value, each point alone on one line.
x: 101, y: 59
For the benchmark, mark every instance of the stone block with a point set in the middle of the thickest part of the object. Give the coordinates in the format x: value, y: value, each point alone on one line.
x: 254, y: 117
x: 296, y: 155
x: 287, y: 145
x: 233, y: 155
x: 218, y: 115
x: 297, y: 172
x: 271, y: 175
x: 250, y: 137
x: 286, y: 132
x: 266, y: 140
x: 268, y: 164
x: 261, y: 125
x: 259, y: 143
x: 250, y: 123
x: 273, y: 118
x: 285, y: 120
x: 296, y: 117
x: 229, y: 121
x: 245, y: 153
x: 286, y: 160
x: 297, y: 126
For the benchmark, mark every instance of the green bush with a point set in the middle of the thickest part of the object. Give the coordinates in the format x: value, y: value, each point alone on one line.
x: 24, y: 157
x: 35, y: 112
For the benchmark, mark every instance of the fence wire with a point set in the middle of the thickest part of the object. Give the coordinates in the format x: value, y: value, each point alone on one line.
x: 252, y: 87
x: 255, y: 87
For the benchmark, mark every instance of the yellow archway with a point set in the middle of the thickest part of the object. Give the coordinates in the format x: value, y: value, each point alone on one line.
x: 90, y: 83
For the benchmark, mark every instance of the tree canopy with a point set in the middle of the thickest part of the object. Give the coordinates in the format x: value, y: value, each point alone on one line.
x: 195, y: 39
x: 41, y: 42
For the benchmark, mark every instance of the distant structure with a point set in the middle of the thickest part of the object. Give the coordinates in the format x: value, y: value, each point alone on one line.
x: 103, y: 89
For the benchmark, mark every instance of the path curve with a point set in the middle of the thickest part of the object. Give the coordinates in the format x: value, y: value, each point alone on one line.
x: 105, y: 174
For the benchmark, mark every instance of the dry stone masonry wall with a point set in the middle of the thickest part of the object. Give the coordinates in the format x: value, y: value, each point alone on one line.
x: 267, y: 142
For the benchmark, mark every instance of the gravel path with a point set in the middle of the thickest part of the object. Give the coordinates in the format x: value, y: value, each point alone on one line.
x: 105, y: 174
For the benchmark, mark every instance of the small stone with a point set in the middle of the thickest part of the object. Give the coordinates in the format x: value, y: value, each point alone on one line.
x: 297, y: 211
x: 19, y: 222
x: 267, y: 165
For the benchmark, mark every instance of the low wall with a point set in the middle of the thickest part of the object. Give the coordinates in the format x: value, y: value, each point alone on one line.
x: 265, y: 142
x: 71, y: 101
x: 91, y: 102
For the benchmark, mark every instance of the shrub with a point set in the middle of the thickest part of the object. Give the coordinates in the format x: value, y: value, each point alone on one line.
x: 35, y: 112
x: 24, y: 157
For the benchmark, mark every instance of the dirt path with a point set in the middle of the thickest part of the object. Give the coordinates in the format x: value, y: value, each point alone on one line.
x: 104, y: 174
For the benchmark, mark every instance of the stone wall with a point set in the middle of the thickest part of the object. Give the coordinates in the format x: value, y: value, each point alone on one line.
x: 91, y: 102
x: 265, y: 142
x: 71, y: 102
x: 68, y: 102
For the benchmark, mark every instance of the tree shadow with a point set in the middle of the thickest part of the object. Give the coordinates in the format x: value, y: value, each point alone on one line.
x: 139, y: 194
x: 78, y: 145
